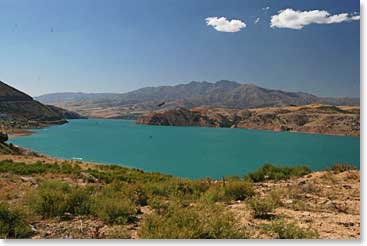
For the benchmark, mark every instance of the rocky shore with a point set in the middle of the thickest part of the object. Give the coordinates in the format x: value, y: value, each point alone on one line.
x: 316, y: 118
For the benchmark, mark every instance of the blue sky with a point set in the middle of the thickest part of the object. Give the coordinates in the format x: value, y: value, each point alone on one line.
x: 118, y: 46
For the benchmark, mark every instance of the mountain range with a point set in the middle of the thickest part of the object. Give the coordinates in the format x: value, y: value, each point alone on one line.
x: 224, y: 93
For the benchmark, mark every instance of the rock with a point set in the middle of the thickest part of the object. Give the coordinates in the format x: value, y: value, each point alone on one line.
x: 89, y: 177
x: 3, y: 137
x: 347, y: 187
x: 28, y: 179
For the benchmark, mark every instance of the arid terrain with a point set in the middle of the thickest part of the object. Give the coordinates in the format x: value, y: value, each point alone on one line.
x: 323, y: 204
x: 314, y: 118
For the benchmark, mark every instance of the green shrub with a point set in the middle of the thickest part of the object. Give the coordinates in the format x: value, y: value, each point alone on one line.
x: 114, y: 203
x: 214, y: 194
x: 191, y: 223
x: 50, y: 199
x: 271, y: 172
x: 114, y: 210
x: 13, y: 223
x: 54, y: 198
x: 238, y: 190
x: 38, y: 167
x: 262, y: 207
x: 79, y: 201
x: 136, y: 193
x: 229, y: 191
x: 283, y: 230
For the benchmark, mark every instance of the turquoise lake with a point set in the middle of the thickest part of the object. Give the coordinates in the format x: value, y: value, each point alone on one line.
x: 192, y: 152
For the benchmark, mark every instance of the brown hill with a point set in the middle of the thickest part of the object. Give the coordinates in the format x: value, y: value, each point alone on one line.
x: 18, y: 106
x: 324, y: 119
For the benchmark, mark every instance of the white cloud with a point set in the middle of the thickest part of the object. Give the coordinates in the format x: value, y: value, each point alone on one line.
x: 295, y: 19
x: 356, y: 17
x: 257, y: 20
x: 221, y: 24
x: 266, y: 8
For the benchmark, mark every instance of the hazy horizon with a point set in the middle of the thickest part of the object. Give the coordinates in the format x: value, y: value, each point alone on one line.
x: 118, y: 46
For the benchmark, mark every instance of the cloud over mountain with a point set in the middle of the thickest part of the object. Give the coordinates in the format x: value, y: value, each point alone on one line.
x: 295, y: 19
x: 221, y: 24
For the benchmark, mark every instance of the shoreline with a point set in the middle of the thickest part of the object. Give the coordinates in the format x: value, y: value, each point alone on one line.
x: 20, y: 133
x: 28, y: 132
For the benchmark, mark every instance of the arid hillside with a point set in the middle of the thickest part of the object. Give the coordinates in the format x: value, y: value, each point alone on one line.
x: 315, y: 118
x: 46, y: 198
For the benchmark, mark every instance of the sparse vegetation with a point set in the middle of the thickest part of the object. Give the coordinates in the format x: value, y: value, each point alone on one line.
x: 271, y: 172
x: 153, y: 205
x: 282, y: 230
x: 341, y: 167
x: 13, y: 223
x: 192, y: 222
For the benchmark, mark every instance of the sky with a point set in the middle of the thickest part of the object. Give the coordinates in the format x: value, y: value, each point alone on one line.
x: 122, y: 45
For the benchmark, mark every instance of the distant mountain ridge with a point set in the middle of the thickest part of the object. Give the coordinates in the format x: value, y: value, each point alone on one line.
x: 228, y: 94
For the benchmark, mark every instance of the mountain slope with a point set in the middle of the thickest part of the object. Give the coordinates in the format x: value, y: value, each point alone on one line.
x: 8, y: 93
x: 18, y: 106
x: 223, y: 93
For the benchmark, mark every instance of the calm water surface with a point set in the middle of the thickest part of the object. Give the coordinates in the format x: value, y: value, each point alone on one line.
x: 189, y: 151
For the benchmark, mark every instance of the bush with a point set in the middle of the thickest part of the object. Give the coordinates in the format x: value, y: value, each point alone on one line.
x: 13, y: 223
x: 49, y: 200
x: 229, y: 191
x: 205, y: 222
x: 137, y: 194
x: 263, y: 206
x: 114, y: 210
x: 340, y: 167
x: 283, y: 230
x: 78, y: 201
x: 113, y: 204
x: 54, y: 198
x: 214, y: 194
x: 238, y: 190
x: 271, y: 172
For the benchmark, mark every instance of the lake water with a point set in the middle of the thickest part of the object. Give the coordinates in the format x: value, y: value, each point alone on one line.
x: 192, y: 152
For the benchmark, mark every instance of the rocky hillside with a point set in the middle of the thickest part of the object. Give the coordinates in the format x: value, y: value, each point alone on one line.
x: 18, y: 106
x: 227, y: 94
x: 324, y: 119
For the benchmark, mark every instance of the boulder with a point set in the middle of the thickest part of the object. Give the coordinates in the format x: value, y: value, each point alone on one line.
x: 3, y: 137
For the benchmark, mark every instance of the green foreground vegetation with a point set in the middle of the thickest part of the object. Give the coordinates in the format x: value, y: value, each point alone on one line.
x: 181, y: 208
